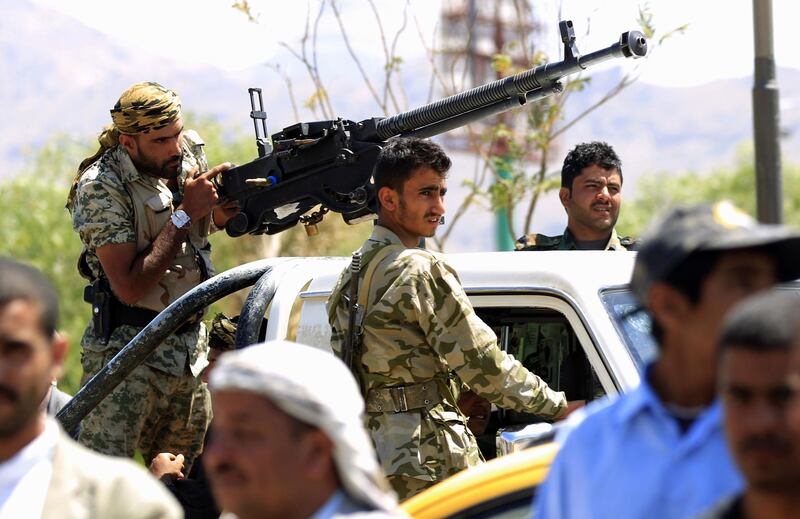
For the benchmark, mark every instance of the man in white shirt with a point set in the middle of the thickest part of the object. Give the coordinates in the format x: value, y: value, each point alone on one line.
x: 43, y: 473
x: 287, y: 439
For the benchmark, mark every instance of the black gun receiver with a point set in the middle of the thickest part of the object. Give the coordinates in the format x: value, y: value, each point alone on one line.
x: 329, y: 163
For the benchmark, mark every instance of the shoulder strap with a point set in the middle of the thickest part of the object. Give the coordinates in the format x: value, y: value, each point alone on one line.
x: 379, y: 256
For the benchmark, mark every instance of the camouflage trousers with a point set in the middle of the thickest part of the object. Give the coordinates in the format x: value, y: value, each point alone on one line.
x: 150, y: 411
x: 407, y: 487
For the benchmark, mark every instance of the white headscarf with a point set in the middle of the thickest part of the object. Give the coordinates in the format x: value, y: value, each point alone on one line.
x: 316, y: 388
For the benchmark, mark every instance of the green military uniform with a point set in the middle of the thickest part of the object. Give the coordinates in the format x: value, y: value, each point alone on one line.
x: 422, y: 342
x: 162, y: 405
x: 567, y: 242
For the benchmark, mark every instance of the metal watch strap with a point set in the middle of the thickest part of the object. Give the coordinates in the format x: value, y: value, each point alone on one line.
x: 180, y: 219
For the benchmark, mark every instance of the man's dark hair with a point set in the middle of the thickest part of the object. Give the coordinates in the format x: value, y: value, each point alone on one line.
x: 687, y: 277
x: 401, y: 157
x: 767, y: 321
x: 587, y: 154
x: 20, y: 281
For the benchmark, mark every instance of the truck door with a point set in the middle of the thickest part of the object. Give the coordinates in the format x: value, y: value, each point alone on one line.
x: 549, y: 338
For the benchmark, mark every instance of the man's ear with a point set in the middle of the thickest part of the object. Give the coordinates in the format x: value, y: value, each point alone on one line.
x: 128, y: 142
x: 316, y: 454
x: 564, y: 195
x: 59, y: 348
x: 388, y: 198
x: 668, y: 306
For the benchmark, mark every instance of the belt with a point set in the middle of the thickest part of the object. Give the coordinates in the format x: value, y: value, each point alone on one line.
x: 141, y: 317
x: 398, y: 399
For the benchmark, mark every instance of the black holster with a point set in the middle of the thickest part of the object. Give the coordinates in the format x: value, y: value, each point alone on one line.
x: 99, y: 295
x: 108, y: 312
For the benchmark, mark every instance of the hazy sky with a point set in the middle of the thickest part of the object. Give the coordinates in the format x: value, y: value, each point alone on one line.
x: 718, y: 43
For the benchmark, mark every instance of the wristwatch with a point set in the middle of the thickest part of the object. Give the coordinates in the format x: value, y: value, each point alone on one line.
x: 180, y: 219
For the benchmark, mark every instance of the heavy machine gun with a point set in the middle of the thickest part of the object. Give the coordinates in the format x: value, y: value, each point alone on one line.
x: 329, y: 163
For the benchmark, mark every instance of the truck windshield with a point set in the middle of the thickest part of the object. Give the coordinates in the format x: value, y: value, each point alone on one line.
x: 632, y: 323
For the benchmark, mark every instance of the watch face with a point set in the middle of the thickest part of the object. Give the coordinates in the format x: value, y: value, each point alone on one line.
x: 180, y: 219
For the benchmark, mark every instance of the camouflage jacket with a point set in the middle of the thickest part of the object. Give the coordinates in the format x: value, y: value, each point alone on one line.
x: 567, y: 242
x: 420, y: 326
x: 103, y: 213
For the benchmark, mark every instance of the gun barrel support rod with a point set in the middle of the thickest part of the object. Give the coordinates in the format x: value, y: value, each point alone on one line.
x: 171, y: 318
x: 258, y: 300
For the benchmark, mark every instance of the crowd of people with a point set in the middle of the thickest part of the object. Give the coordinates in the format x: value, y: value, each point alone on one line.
x: 711, y: 431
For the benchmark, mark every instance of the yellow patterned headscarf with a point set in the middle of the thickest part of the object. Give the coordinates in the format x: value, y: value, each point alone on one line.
x: 142, y: 108
x: 145, y: 107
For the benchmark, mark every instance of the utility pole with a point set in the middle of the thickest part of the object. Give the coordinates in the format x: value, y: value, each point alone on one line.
x: 766, y: 118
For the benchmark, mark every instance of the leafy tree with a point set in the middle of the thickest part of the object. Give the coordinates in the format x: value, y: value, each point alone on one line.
x: 38, y: 231
x: 657, y: 193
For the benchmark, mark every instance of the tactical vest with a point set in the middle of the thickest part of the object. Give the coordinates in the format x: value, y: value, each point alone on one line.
x: 153, y: 205
x: 190, y: 266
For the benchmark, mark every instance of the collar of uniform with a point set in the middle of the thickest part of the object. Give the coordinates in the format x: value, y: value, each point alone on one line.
x: 384, y: 236
x: 127, y: 171
x: 640, y: 399
x: 568, y: 241
x: 613, y: 241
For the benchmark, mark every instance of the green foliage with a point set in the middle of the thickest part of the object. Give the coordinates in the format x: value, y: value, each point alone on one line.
x: 657, y: 193
x: 646, y: 23
x: 38, y: 230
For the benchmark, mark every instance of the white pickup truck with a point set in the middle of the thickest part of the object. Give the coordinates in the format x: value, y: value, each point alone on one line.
x: 566, y: 315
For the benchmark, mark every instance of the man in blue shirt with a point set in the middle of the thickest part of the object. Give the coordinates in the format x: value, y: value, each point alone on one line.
x: 659, y: 451
x: 758, y: 343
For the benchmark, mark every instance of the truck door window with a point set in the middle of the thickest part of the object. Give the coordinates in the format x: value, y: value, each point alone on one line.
x: 545, y: 343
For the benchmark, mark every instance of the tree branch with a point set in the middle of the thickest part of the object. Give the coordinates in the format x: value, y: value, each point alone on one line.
x: 393, y: 54
x: 357, y: 61
x: 624, y: 83
x: 286, y: 79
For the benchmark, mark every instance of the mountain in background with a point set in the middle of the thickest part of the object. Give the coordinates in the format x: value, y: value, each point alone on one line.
x: 62, y: 77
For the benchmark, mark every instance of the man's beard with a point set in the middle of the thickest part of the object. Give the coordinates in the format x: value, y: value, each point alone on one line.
x: 24, y: 405
x: 404, y: 216
x: 168, y: 169
x: 587, y: 217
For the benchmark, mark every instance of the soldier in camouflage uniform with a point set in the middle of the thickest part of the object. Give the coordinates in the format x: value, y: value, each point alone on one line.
x: 591, y: 193
x: 143, y: 206
x: 422, y: 341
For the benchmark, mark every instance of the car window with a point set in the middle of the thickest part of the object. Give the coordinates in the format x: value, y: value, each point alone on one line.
x: 544, y: 341
x: 632, y: 323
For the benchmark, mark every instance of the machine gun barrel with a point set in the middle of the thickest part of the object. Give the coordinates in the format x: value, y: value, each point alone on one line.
x: 329, y: 163
x: 506, y: 93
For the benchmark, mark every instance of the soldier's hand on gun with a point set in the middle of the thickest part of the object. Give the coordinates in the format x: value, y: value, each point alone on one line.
x: 572, y: 406
x: 167, y: 466
x: 224, y: 211
x: 199, y: 193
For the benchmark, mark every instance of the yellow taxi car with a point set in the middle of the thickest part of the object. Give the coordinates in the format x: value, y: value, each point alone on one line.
x: 501, y: 488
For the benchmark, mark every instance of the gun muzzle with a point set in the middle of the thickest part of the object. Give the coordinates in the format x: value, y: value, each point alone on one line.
x: 633, y: 44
